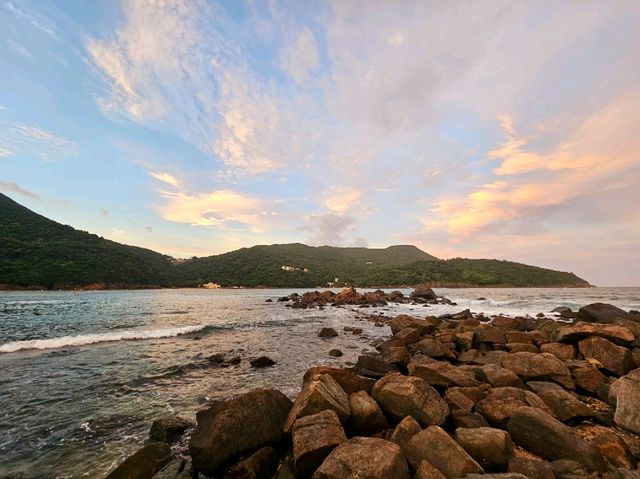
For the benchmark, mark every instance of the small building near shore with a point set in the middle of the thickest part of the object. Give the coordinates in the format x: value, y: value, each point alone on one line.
x: 211, y: 285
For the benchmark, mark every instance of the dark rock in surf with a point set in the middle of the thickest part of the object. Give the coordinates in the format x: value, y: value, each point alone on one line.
x: 167, y: 428
x: 262, y: 362
x: 144, y: 464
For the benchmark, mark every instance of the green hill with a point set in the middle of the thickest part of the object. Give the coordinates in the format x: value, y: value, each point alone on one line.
x: 36, y: 252
x: 39, y: 253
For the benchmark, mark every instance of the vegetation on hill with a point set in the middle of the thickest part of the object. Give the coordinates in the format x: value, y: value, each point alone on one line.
x: 36, y: 252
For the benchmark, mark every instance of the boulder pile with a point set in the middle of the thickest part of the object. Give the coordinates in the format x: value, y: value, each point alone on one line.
x: 443, y: 398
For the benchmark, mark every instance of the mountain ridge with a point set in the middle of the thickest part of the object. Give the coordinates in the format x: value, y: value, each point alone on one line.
x: 40, y: 253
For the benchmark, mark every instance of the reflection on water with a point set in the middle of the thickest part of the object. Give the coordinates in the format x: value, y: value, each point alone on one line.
x: 85, y: 405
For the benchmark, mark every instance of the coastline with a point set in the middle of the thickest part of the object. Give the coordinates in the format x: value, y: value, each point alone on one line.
x: 572, y: 382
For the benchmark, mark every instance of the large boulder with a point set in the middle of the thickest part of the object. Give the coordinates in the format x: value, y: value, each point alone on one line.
x: 144, y: 464
x: 434, y: 445
x: 499, y: 377
x: 492, y: 448
x: 612, y: 332
x: 627, y: 399
x: 262, y: 464
x: 404, y: 431
x: 238, y: 425
x: 542, y: 434
x: 440, y: 373
x: 423, y: 292
x: 319, y: 394
x: 605, y: 313
x: 407, y: 335
x: 168, y: 427
x: 500, y: 403
x: 562, y: 351
x: 364, y: 458
x: 349, y: 381
x: 373, y: 366
x: 588, y: 377
x: 531, y: 468
x: 565, y: 405
x: 614, y: 449
x: 366, y: 416
x: 534, y: 366
x: 314, y: 437
x: 615, y: 359
x: 400, y: 396
x: 428, y: 471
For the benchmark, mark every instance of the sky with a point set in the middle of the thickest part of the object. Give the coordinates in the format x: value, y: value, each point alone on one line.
x: 480, y: 129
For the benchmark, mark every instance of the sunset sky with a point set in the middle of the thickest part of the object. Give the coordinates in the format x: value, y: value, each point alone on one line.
x: 501, y: 129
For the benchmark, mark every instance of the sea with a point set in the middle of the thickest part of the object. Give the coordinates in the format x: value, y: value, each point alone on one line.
x: 84, y: 374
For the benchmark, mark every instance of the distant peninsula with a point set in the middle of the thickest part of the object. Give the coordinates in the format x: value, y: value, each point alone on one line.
x: 38, y: 253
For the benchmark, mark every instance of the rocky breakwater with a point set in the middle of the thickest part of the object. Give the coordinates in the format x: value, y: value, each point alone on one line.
x: 499, y: 397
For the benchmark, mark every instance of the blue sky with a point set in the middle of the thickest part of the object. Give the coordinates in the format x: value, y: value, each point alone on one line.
x: 478, y: 129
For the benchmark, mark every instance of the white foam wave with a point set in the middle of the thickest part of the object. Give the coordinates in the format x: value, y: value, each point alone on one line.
x: 84, y: 339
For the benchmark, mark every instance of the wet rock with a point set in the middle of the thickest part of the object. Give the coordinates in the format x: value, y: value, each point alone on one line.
x: 434, y: 445
x: 614, y: 449
x: 314, y: 437
x: 286, y: 470
x: 531, y: 468
x: 366, y: 458
x: 500, y: 403
x: 144, y: 463
x: 262, y: 362
x: 423, y: 292
x: 612, y: 332
x: 615, y: 359
x: 404, y: 431
x: 373, y: 366
x: 498, y: 376
x: 349, y: 381
x: 605, y: 313
x: 366, y: 416
x: 491, y: 448
x: 561, y: 351
x: 175, y: 469
x: 535, y: 366
x: 439, y: 373
x: 262, y: 464
x: 336, y: 353
x: 428, y: 471
x: 319, y: 394
x: 627, y: 398
x: 327, y: 333
x: 400, y: 396
x: 167, y: 428
x: 236, y: 426
x: 542, y: 434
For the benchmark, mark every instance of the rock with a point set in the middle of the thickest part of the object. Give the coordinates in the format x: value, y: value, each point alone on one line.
x: 615, y: 359
x: 349, y: 381
x: 491, y: 448
x: 400, y: 396
x: 474, y: 356
x: 167, y: 428
x: 373, y: 366
x: 428, y: 471
x: 627, y: 396
x: 521, y: 348
x: 144, y: 463
x: 439, y: 373
x: 314, y: 437
x: 262, y: 464
x: 581, y: 330
x: 175, y: 469
x: 327, y: 333
x: 236, y: 426
x: 468, y: 420
x: 489, y: 334
x: 407, y: 336
x: 319, y: 394
x: 498, y: 376
x: 565, y: 406
x: 568, y: 469
x: 433, y: 348
x: 423, y: 292
x: 336, y: 353
x: 588, y: 378
x: 475, y: 393
x: 605, y: 313
x: 404, y: 431
x: 504, y: 322
x: 534, y: 366
x: 499, y: 405
x: 531, y: 468
x: 561, y: 351
x: 366, y: 417
x: 397, y: 355
x: 457, y: 400
x: 518, y: 337
x: 262, y: 362
x: 542, y: 434
x: 434, y: 445
x: 402, y: 321
x: 614, y: 449
x: 364, y: 458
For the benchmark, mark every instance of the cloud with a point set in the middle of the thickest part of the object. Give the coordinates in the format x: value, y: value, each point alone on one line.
x: 4, y: 152
x: 11, y: 187
x: 166, y: 178
x: 26, y: 140
x: 302, y: 58
x: 327, y: 228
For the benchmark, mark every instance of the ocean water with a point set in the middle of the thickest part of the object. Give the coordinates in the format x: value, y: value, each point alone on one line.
x: 83, y: 375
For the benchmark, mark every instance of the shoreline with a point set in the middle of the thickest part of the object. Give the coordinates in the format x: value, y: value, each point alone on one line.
x: 505, y: 395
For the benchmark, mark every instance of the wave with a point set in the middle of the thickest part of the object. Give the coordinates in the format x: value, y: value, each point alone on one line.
x: 84, y: 339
